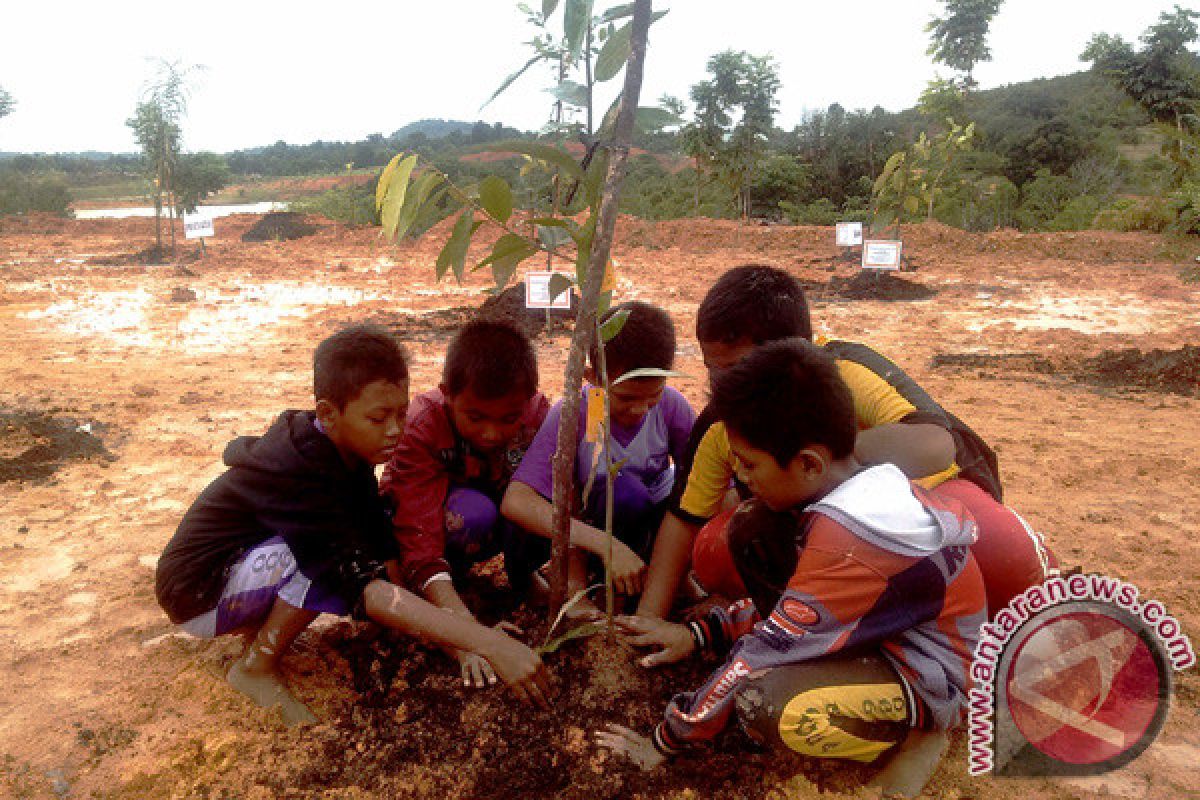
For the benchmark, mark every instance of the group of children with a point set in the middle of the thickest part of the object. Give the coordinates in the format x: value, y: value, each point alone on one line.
x: 856, y: 526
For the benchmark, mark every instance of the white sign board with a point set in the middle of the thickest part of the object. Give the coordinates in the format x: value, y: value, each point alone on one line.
x: 849, y: 234
x: 537, y: 292
x: 881, y: 254
x: 196, y: 226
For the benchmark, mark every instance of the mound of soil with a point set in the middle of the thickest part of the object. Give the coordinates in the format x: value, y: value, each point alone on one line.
x: 509, y: 306
x: 150, y: 255
x: 1018, y: 362
x: 34, y: 445
x: 414, y: 731
x: 279, y: 226
x: 877, y: 285
x: 1173, y: 371
x: 426, y: 326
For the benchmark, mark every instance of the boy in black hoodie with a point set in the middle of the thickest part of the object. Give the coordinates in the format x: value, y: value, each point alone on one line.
x: 296, y: 527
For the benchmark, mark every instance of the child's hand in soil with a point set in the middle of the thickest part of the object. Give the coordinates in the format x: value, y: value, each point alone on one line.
x: 632, y: 745
x: 476, y: 671
x: 520, y: 668
x: 674, y: 642
x: 628, y: 570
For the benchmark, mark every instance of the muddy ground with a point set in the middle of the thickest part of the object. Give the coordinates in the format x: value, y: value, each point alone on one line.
x: 121, y: 381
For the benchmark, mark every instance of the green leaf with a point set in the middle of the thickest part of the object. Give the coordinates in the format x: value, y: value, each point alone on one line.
x: 416, y: 197
x: 617, y: 12
x: 394, y: 195
x: 651, y: 119
x: 454, y: 254
x: 509, y: 80
x: 578, y: 632
x: 614, y: 53
x: 911, y: 204
x: 576, y: 17
x: 385, y: 178
x: 559, y: 283
x: 542, y: 152
x: 548, y: 7
x: 509, y: 251
x: 552, y: 237
x: 613, y: 325
x: 571, y: 93
x: 496, y: 197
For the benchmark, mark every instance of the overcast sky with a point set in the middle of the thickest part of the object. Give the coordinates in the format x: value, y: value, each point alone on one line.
x: 341, y: 70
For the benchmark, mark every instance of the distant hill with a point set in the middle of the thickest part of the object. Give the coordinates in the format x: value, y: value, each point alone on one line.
x: 434, y: 128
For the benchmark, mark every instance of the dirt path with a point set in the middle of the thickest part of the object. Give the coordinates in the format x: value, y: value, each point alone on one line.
x: 100, y: 701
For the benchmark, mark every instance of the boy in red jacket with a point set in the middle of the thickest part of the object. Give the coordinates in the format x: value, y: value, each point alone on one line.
x: 864, y: 599
x: 461, y: 444
x: 295, y: 527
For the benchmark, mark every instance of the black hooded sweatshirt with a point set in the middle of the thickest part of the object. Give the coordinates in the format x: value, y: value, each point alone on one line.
x: 291, y: 482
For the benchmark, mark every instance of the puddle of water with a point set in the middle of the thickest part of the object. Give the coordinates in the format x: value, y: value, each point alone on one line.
x: 1096, y: 313
x: 210, y: 211
x: 215, y: 321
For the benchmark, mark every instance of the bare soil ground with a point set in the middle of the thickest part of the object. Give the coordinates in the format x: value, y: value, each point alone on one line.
x: 121, y: 382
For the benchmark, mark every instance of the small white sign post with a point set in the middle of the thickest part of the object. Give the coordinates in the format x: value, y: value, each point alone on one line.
x: 881, y: 254
x: 197, y: 226
x: 537, y: 292
x: 849, y: 234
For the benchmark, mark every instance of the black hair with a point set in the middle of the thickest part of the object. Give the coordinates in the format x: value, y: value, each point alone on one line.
x: 754, y: 302
x: 647, y: 339
x: 785, y: 396
x: 492, y: 358
x: 354, y: 357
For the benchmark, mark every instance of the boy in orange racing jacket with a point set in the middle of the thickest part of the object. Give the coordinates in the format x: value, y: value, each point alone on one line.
x: 865, y: 599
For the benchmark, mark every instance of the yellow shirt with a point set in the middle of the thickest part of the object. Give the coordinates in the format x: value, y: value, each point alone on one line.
x: 876, y: 402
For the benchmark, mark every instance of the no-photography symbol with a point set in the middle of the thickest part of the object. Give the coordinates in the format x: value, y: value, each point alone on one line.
x: 1082, y: 689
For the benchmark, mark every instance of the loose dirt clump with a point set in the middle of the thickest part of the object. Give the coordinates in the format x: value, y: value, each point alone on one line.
x: 424, y: 326
x: 34, y: 445
x: 279, y: 226
x: 1009, y: 362
x: 876, y: 285
x: 1172, y: 371
x: 414, y: 731
x: 509, y: 306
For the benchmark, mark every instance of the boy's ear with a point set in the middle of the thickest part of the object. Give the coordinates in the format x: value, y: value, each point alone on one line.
x: 813, y: 462
x: 327, y: 413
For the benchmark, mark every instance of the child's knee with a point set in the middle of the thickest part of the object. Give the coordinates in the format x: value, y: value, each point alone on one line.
x: 471, y: 518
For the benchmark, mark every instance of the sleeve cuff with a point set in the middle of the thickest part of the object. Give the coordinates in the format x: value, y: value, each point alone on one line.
x: 437, y: 576
x: 663, y: 742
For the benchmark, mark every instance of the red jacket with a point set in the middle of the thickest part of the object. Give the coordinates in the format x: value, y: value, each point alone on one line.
x: 430, y: 459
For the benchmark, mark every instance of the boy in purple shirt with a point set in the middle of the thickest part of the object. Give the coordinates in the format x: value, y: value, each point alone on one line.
x: 650, y: 427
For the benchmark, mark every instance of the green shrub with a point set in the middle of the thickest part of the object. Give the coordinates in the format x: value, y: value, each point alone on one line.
x: 822, y: 211
x: 1077, y: 215
x: 354, y: 205
x: 21, y: 192
x: 1127, y: 214
x: 1185, y: 202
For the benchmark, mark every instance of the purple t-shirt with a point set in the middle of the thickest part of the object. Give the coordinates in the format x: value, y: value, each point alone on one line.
x: 650, y: 450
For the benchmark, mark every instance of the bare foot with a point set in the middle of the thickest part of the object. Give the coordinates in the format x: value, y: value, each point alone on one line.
x: 268, y: 691
x: 912, y: 765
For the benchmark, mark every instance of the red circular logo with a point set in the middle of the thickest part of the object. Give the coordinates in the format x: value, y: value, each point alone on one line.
x: 1085, y: 688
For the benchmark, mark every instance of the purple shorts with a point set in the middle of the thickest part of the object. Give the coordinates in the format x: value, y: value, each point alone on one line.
x: 265, y: 572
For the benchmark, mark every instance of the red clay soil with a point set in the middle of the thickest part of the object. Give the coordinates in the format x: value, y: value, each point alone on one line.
x: 101, y: 702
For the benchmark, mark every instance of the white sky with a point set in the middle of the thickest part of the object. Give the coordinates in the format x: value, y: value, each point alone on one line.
x: 303, y: 71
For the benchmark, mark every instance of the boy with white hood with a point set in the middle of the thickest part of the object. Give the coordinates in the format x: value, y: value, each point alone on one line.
x: 865, y: 601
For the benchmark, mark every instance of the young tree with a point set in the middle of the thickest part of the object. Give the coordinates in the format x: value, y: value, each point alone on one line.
x: 156, y: 126
x: 401, y: 198
x: 735, y: 113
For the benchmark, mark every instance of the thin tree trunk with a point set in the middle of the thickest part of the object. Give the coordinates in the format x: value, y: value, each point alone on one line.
x: 585, y: 320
